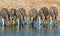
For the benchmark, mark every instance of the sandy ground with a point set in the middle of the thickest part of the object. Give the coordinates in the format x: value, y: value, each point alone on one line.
x: 28, y: 4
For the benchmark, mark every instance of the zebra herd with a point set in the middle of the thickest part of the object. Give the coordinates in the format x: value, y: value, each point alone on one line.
x: 13, y: 17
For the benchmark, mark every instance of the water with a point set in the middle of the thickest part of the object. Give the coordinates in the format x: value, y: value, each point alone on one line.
x: 15, y: 31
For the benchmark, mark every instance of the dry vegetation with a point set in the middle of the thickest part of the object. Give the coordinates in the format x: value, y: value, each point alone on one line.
x: 28, y: 4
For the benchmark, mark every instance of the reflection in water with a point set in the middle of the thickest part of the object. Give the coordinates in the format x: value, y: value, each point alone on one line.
x: 2, y: 29
x: 53, y: 32
x: 30, y: 32
x: 17, y: 31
